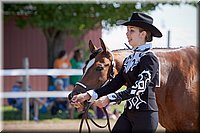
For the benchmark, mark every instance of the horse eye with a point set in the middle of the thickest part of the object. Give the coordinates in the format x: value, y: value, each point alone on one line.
x: 99, y: 68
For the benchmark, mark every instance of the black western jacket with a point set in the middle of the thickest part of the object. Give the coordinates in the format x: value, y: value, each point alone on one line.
x: 140, y: 71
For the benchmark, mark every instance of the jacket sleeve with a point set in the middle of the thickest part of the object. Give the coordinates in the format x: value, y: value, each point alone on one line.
x: 113, y: 85
x: 148, y: 67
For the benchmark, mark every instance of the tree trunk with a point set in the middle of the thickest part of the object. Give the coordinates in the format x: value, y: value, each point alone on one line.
x: 55, y: 43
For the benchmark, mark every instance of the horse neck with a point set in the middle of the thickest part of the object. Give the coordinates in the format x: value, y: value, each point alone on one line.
x: 119, y: 56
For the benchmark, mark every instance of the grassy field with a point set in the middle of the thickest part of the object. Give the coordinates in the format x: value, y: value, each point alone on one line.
x: 10, y: 113
x: 12, y: 122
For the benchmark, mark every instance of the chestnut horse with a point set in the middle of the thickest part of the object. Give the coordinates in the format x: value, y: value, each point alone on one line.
x: 177, y: 96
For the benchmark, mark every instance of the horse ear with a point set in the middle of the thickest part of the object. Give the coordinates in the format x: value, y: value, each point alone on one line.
x: 92, y: 47
x: 105, y: 48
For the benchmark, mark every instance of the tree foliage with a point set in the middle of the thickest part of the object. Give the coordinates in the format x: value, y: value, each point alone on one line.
x: 61, y: 19
x: 75, y: 17
x: 71, y: 17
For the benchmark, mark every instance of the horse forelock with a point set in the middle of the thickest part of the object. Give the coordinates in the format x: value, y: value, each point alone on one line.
x: 95, y: 53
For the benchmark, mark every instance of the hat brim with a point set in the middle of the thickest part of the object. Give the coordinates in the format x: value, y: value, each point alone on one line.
x: 154, y: 31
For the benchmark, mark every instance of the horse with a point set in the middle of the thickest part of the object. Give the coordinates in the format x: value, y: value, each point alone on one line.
x: 177, y: 95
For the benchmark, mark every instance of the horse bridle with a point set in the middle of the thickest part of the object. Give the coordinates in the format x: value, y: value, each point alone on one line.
x: 85, y: 115
x: 111, y: 75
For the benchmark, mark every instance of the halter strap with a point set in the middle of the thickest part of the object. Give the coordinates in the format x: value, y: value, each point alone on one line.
x: 113, y: 64
x: 82, y: 85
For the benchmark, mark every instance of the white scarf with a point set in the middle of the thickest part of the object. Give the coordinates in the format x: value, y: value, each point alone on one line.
x: 132, y: 60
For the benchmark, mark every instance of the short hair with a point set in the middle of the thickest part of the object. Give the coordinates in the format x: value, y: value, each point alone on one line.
x: 77, y: 53
x: 58, y: 82
x: 61, y: 53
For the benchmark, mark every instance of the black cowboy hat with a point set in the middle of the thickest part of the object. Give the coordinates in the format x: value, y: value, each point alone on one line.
x: 143, y: 21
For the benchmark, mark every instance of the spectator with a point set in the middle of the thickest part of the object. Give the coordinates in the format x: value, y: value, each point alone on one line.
x: 18, y: 102
x: 63, y: 62
x: 77, y: 63
x: 59, y: 103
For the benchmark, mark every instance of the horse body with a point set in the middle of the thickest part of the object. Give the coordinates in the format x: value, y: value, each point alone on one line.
x: 177, y: 96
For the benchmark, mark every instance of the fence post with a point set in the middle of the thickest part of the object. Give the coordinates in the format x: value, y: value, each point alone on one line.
x: 25, y: 115
x: 168, y: 38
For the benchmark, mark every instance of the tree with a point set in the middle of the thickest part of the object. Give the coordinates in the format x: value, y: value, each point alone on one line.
x: 58, y: 20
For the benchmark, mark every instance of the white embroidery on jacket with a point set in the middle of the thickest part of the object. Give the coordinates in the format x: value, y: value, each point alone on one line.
x: 132, y: 60
x: 138, y: 89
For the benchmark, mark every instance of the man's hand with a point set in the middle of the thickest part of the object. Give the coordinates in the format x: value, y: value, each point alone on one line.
x: 102, y: 102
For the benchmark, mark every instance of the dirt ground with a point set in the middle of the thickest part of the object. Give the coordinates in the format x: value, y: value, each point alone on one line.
x: 56, y: 126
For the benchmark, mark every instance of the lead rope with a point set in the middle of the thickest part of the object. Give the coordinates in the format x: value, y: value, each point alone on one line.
x: 85, y: 117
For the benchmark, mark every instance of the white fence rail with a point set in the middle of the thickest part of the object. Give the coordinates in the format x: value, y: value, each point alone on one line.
x: 38, y: 72
x: 35, y: 94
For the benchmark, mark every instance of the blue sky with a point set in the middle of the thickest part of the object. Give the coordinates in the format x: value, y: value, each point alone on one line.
x: 180, y: 20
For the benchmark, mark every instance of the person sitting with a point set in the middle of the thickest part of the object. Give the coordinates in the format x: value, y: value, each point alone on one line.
x: 58, y: 103
x: 18, y: 102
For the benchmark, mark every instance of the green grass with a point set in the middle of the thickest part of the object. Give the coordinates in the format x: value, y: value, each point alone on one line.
x: 10, y: 113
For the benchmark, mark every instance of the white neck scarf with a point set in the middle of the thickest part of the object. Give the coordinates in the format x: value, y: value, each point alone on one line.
x: 132, y: 60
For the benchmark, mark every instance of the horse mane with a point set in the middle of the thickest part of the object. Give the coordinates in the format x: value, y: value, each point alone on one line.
x: 172, y: 49
x: 121, y: 50
x: 157, y: 48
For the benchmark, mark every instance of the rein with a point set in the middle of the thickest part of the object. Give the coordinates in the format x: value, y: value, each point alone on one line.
x: 85, y: 115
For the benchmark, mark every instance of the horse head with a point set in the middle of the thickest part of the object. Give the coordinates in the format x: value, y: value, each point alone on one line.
x: 98, y: 70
